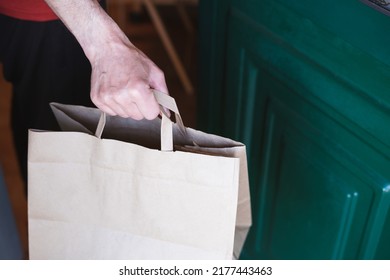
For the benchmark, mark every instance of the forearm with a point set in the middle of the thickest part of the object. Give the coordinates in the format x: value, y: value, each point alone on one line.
x: 122, y: 75
x: 90, y: 24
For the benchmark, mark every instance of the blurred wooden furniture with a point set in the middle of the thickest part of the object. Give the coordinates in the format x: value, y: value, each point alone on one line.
x: 158, y: 23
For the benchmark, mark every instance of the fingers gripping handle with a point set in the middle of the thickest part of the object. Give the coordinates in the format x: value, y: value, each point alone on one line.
x: 169, y: 102
x: 165, y: 101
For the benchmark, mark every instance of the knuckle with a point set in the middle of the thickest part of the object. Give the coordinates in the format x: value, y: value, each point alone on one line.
x: 136, y: 90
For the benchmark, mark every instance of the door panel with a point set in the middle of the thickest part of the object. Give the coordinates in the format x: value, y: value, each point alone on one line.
x: 301, y: 94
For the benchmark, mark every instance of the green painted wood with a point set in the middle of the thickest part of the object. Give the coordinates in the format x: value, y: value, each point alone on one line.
x: 308, y: 96
x: 211, y: 46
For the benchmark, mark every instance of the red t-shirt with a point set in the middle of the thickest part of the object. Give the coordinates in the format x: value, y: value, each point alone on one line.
x: 34, y: 10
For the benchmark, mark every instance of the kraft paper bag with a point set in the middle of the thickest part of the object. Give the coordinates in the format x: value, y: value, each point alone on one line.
x: 112, y: 188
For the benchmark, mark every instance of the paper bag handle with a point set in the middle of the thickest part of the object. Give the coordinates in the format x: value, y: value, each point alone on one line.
x: 165, y: 101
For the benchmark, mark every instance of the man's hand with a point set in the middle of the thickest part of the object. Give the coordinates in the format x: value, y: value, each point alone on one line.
x: 121, y: 82
x: 122, y: 76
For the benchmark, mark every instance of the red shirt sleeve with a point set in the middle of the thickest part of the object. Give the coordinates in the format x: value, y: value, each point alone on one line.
x: 34, y: 10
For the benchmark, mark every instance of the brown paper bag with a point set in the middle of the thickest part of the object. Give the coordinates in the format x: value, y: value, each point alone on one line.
x: 124, y: 194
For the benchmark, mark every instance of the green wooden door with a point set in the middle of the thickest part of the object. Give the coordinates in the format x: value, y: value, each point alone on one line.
x: 306, y: 86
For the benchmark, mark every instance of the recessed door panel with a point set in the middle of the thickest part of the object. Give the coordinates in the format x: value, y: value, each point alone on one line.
x: 308, y: 99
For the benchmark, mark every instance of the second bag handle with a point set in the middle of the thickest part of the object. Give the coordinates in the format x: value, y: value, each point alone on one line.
x: 167, y: 102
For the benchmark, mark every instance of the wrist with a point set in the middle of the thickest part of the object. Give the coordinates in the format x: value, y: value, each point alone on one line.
x: 102, y: 39
x: 93, y: 28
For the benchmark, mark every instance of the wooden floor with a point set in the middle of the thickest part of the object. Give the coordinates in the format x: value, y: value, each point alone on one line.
x: 142, y: 33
